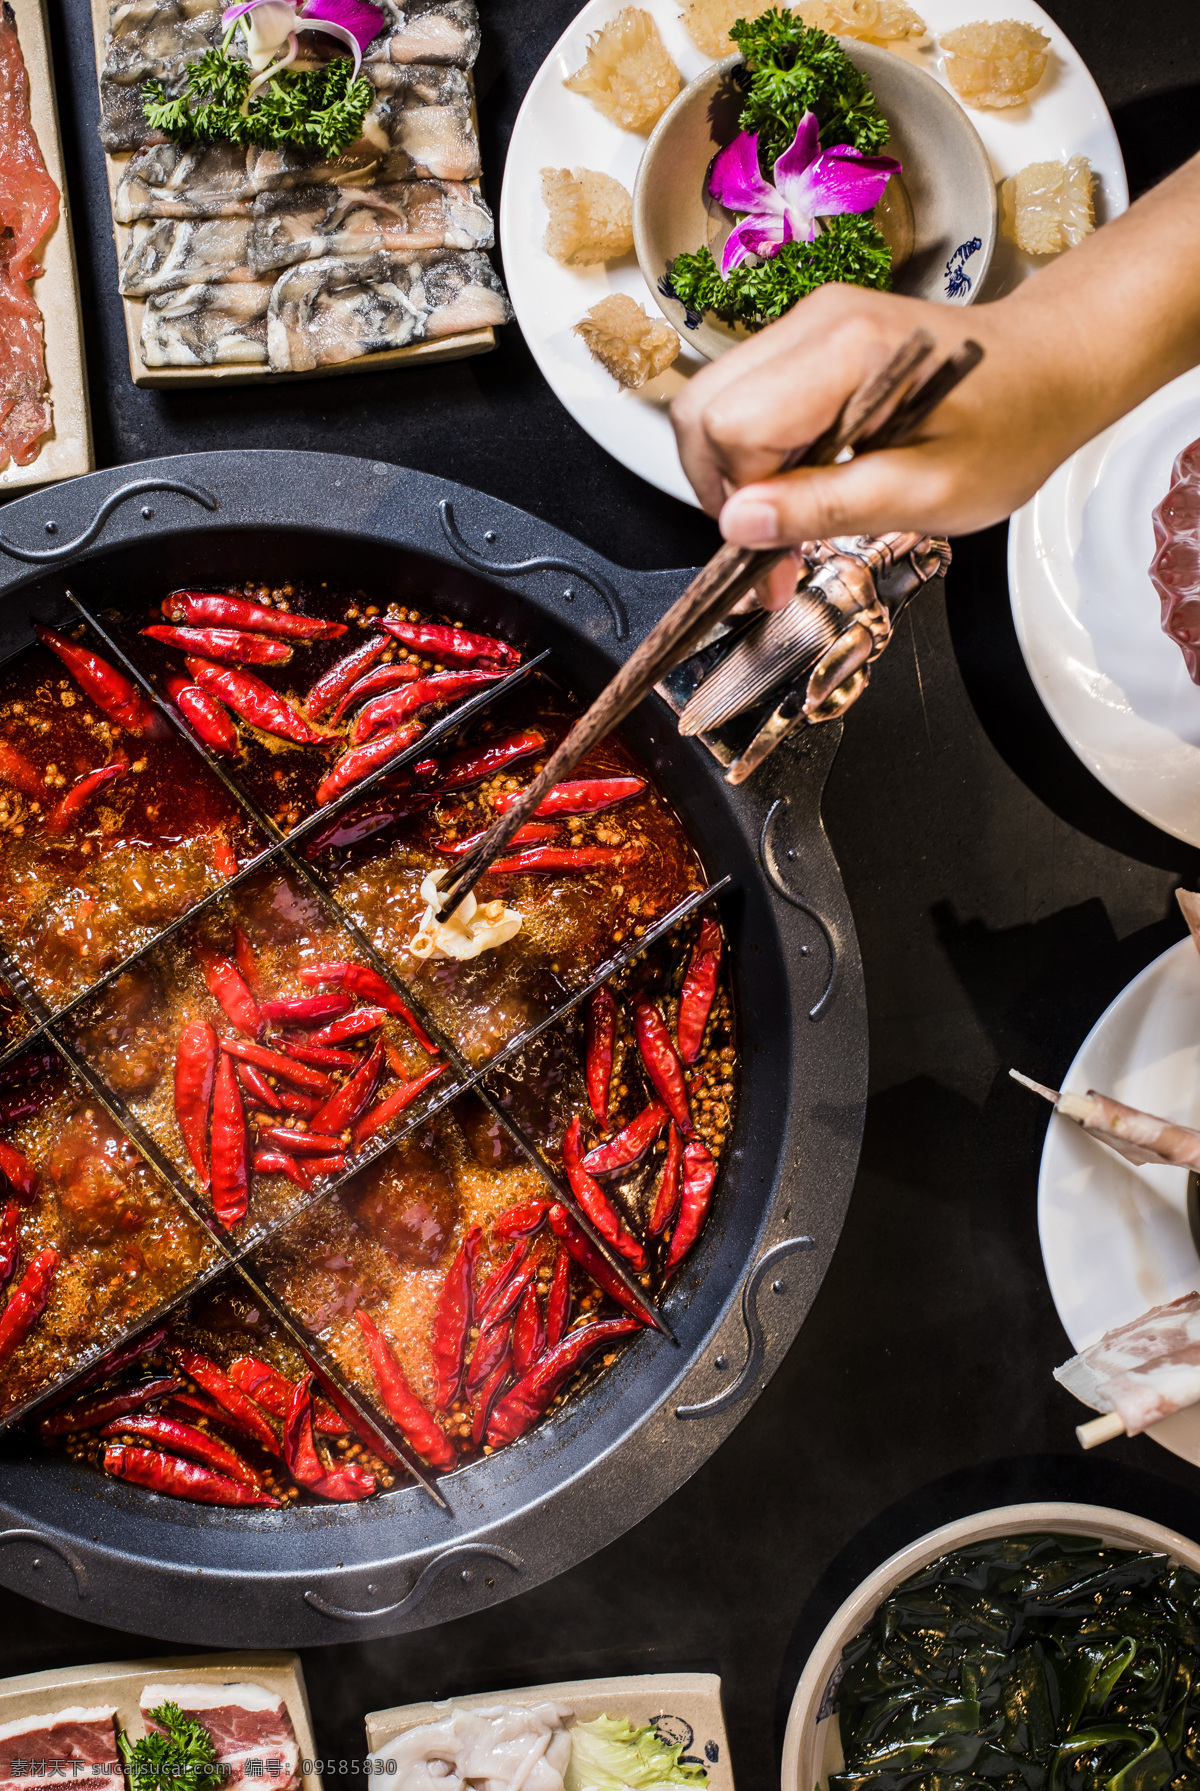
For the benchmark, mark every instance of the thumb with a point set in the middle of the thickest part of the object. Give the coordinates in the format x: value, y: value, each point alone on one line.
x: 902, y: 488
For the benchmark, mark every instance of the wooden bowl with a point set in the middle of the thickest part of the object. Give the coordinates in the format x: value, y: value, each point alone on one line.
x: 939, y: 215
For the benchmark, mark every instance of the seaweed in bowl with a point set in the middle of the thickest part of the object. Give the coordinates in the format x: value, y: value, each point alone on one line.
x: 1036, y: 1661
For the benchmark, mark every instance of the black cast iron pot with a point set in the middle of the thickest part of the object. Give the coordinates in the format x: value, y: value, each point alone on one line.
x: 115, y: 1554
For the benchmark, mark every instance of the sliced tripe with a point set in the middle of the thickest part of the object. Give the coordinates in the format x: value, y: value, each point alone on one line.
x: 591, y: 216
x: 628, y: 344
x: 628, y: 73
x: 1047, y: 206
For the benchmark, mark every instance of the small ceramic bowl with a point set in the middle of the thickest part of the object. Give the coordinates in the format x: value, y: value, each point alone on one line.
x: 939, y: 215
x: 812, y: 1746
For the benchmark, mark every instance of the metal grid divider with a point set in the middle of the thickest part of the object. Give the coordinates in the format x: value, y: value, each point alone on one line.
x: 280, y: 849
x: 379, y: 964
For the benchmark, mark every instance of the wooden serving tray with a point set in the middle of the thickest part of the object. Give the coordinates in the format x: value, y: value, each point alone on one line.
x: 68, y: 451
x: 120, y: 1682
x: 444, y: 348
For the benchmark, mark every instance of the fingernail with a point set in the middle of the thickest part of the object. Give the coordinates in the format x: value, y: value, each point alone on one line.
x: 750, y: 524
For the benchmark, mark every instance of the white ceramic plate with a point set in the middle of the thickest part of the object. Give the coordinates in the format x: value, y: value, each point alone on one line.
x: 812, y: 1747
x: 1115, y: 1238
x: 1087, y: 615
x: 556, y: 128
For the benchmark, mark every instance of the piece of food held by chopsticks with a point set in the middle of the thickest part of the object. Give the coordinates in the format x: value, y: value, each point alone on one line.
x: 1138, y: 1374
x: 1138, y: 1137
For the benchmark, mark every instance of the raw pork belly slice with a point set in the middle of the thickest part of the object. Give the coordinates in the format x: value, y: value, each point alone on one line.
x: 309, y: 222
x: 250, y: 1727
x: 431, y: 31
x: 207, y: 325
x: 83, y: 1741
x: 333, y: 310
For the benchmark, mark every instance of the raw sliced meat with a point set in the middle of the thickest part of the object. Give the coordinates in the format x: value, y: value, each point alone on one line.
x: 247, y: 1724
x: 165, y: 254
x: 431, y: 31
x: 163, y: 181
x: 308, y: 222
x: 1145, y: 1370
x: 75, y: 1738
x: 1175, y: 568
x: 211, y: 324
x: 28, y: 209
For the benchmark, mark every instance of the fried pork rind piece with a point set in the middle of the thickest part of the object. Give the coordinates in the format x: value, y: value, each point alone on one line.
x: 628, y: 73
x: 625, y: 341
x: 591, y: 216
x: 707, y: 23
x: 1047, y: 207
x: 874, y: 21
x: 995, y: 63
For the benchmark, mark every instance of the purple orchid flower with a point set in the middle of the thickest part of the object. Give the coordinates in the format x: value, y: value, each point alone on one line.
x: 271, y: 27
x: 810, y: 183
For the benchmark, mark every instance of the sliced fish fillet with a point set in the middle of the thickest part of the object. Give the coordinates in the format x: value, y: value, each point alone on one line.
x: 28, y: 209
x: 309, y: 222
x: 431, y: 31
x: 166, y: 254
x: 207, y: 325
x: 144, y: 34
x: 422, y: 127
x: 163, y: 181
x: 337, y: 309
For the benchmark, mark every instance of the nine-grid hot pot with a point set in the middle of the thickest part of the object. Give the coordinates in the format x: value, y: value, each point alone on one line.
x: 298, y: 885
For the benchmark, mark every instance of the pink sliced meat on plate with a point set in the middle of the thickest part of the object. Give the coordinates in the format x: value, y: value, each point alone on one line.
x: 250, y: 1727
x: 81, y: 1742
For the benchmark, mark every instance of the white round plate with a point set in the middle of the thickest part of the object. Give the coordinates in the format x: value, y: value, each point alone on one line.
x: 559, y: 129
x: 1115, y: 1238
x: 1087, y: 616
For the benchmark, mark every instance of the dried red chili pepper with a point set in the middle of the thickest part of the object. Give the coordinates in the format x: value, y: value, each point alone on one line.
x: 16, y: 770
x: 246, y: 961
x: 225, y: 859
x: 363, y: 1019
x: 631, y: 1142
x: 600, y: 1034
x: 114, y: 1360
x: 384, y: 677
x: 301, y: 1144
x: 257, y: 1086
x: 229, y: 1168
x: 343, y: 1483
x: 334, y: 683
x: 345, y: 1105
x: 386, y: 1110
x: 230, y: 646
x: 273, y: 1390
x: 209, y: 608
x: 699, y: 1175
x: 397, y: 1062
x: 10, y: 1242
x: 558, y: 1300
x: 438, y: 641
x: 294, y: 1100
x: 662, y: 1063
x: 65, y: 812
x: 419, y: 1427
x: 213, y: 1380
x: 452, y: 1319
x: 495, y: 1283
x: 308, y: 1010
x: 109, y: 689
x: 504, y: 1302
x: 323, y: 1057
x: 180, y: 1479
x: 185, y: 1439
x: 276, y: 1064
x: 361, y: 761
x: 667, y: 1198
x: 525, y: 1403
x: 360, y: 979
x: 595, y: 1202
x: 226, y: 984
x: 699, y: 990
x: 27, y: 1301
x: 493, y: 1344
x: 208, y: 1408
x: 207, y: 718
x: 267, y: 1160
x: 458, y: 769
x: 529, y: 1331
x: 521, y: 1221
x: 195, y: 1072
x: 528, y: 835
x: 488, y: 1395
x: 19, y: 1173
x: 585, y: 1253
x: 583, y: 796
x: 101, y: 1408
x: 569, y: 858
x: 395, y: 706
x: 320, y: 1167
x: 254, y: 701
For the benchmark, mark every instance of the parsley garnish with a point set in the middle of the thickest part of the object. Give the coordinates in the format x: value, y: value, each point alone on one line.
x: 321, y: 108
x: 184, y: 1759
x: 850, y: 248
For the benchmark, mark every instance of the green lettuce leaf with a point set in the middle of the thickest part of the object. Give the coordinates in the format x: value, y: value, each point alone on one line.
x: 609, y: 1754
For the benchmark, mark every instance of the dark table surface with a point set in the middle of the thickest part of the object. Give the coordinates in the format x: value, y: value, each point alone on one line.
x: 1003, y: 898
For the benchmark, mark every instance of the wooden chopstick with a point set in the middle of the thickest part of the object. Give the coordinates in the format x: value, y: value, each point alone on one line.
x: 730, y: 573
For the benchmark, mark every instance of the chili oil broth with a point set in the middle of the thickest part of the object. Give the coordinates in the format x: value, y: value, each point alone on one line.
x: 130, y: 1033
x: 126, y: 1246
x: 74, y: 904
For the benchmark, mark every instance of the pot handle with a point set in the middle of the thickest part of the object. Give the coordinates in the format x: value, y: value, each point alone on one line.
x: 459, y: 1555
x: 45, y: 556
x: 603, y: 586
x: 768, y: 1263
